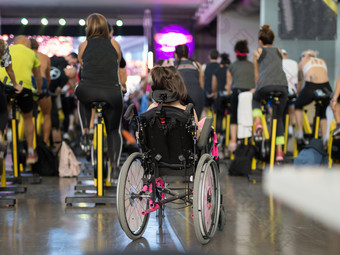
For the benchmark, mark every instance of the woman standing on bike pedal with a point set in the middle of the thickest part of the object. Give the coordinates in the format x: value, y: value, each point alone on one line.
x: 269, y: 77
x: 99, y: 57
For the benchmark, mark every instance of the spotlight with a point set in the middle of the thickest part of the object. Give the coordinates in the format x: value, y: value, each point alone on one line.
x: 44, y: 21
x: 62, y: 22
x: 119, y: 23
x: 24, y: 21
x: 82, y: 22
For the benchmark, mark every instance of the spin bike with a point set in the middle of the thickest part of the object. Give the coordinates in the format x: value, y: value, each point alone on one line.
x: 265, y: 144
x: 320, y: 97
x: 100, y: 163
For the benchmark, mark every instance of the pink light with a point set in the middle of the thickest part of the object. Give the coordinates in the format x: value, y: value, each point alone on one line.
x: 173, y: 39
x: 169, y: 37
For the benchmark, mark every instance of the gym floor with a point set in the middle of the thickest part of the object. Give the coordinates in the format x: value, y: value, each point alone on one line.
x: 41, y: 223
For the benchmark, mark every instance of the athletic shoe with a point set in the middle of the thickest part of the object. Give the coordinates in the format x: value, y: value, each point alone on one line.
x: 258, y: 129
x: 279, y: 156
x: 232, y: 146
x: 31, y: 158
x: 290, y: 130
x: 85, y: 143
x: 299, y: 135
x: 336, y: 131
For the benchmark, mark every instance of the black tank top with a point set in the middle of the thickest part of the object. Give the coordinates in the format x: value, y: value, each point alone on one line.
x: 100, y: 64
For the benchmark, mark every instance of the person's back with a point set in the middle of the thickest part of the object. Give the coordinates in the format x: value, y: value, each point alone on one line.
x: 271, y: 72
x: 314, y: 69
x: 290, y: 67
x: 208, y: 73
x: 100, y: 63
x: 45, y: 64
x: 242, y: 72
x: 23, y: 62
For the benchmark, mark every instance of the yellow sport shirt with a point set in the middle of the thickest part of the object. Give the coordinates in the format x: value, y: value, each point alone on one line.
x: 23, y: 62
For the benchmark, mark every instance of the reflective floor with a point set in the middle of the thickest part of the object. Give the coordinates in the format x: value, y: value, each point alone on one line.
x: 40, y: 223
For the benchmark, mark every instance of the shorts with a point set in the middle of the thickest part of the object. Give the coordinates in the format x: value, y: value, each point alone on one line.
x: 44, y: 86
x: 25, y: 100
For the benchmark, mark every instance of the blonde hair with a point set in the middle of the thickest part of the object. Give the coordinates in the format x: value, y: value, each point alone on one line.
x: 96, y: 26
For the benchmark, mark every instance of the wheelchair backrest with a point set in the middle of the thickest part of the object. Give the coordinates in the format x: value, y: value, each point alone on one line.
x: 166, y: 136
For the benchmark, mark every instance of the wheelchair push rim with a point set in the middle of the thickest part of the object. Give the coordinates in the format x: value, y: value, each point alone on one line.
x: 206, y: 200
x: 130, y: 209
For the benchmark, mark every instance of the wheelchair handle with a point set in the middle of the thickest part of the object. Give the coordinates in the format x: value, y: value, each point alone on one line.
x: 130, y: 112
x: 189, y: 108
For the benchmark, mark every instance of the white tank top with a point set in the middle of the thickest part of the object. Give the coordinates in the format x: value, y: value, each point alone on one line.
x: 313, y: 62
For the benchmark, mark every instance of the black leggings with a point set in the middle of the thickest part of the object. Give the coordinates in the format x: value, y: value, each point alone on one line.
x: 307, y: 96
x: 112, y: 114
x: 3, y: 109
x: 234, y: 104
x: 263, y: 93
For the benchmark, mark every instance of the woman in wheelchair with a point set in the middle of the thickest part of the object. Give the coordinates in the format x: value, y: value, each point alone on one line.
x: 167, y: 135
x: 168, y: 79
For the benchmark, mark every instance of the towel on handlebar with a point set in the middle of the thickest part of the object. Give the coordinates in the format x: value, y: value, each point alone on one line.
x: 244, y: 115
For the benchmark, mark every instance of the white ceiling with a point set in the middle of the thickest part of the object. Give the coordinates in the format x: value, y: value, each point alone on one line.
x: 76, y: 8
x: 106, y: 3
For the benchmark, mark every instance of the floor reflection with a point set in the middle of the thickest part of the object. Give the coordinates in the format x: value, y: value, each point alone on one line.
x: 255, y: 224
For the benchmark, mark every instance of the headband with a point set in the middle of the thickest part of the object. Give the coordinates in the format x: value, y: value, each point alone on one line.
x: 241, y: 54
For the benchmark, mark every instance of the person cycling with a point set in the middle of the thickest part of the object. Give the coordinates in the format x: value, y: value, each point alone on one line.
x: 315, y: 75
x: 6, y: 62
x: 269, y: 77
x: 99, y: 57
x: 25, y: 62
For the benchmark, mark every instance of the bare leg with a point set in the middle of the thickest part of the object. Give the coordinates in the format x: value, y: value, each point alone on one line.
x: 29, y: 128
x: 46, y: 106
x: 233, y: 132
x: 299, y: 119
x: 323, y: 126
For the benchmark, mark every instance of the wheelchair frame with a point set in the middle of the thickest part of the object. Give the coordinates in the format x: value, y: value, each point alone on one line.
x: 142, y: 190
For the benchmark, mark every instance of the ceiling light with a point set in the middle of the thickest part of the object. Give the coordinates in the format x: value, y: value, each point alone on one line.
x: 119, y: 23
x: 82, y: 22
x: 44, y: 21
x: 24, y: 21
x: 62, y: 22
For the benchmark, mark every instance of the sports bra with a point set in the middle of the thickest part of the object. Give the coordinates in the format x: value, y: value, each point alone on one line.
x: 313, y: 62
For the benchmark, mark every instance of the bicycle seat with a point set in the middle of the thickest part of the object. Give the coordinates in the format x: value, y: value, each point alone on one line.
x: 291, y: 97
x: 101, y: 104
x: 10, y: 90
x: 322, y: 94
x: 275, y: 94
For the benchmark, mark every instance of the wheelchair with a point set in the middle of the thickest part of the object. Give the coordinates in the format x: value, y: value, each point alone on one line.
x: 169, y: 146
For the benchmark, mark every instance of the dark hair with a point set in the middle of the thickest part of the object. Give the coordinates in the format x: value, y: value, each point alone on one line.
x: 73, y: 55
x: 167, y: 78
x: 241, y: 46
x: 214, y: 54
x: 96, y: 26
x: 266, y: 35
x: 34, y: 44
x: 225, y: 59
x: 159, y: 62
x: 2, y: 48
x: 182, y: 51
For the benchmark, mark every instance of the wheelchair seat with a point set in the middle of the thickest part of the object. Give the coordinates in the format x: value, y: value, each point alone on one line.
x: 166, y: 136
x: 168, y: 139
